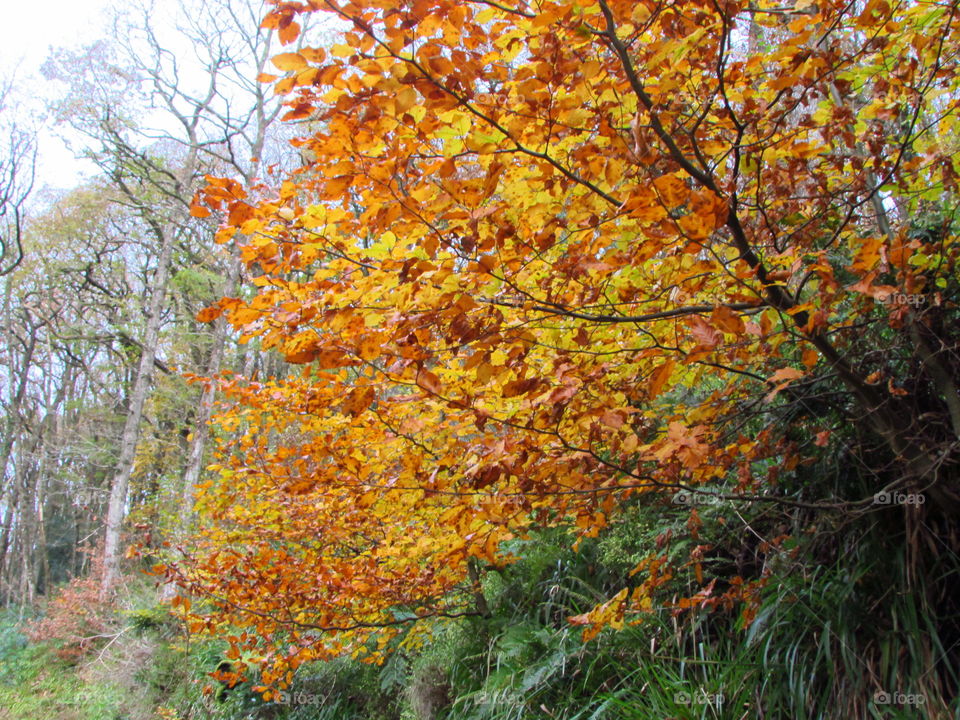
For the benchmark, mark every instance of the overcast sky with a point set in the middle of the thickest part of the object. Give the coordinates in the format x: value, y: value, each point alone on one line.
x: 28, y: 30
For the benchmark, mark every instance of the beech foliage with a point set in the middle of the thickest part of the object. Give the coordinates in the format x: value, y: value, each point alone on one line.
x: 542, y: 261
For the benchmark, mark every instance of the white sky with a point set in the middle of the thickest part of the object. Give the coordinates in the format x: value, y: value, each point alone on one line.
x: 28, y: 31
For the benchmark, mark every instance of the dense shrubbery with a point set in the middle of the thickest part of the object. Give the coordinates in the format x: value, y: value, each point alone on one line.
x: 76, y: 619
x: 824, y: 637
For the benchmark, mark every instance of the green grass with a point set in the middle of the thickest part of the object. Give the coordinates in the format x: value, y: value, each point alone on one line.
x: 35, y: 684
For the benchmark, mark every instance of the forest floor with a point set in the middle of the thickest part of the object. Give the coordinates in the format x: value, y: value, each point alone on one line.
x: 36, y: 684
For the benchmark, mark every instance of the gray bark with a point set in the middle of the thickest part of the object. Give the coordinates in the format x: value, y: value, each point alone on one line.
x: 131, y: 427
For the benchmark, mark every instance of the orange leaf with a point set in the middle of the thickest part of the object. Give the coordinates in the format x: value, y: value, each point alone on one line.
x: 783, y: 377
x: 209, y: 314
x: 369, y: 347
x: 430, y: 382
x: 358, y: 400
x: 788, y: 374
x: 337, y: 186
x: 240, y: 212
x: 659, y: 377
x: 727, y: 320
x: 704, y: 332
x: 289, y: 62
x: 288, y: 33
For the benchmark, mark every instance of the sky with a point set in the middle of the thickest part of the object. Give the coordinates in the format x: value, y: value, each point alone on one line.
x: 28, y: 30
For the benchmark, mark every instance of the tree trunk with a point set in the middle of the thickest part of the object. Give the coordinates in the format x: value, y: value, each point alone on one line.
x: 131, y: 426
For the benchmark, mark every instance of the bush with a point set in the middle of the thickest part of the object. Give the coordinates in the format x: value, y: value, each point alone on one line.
x: 76, y: 619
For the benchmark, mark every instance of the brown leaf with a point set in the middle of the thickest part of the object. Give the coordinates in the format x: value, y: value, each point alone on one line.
x: 430, y: 382
x: 520, y: 387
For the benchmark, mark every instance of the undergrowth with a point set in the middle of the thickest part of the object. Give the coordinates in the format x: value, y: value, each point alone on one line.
x: 842, y: 627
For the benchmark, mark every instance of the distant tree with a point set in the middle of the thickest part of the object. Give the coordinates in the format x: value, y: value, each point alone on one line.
x: 159, y: 120
x: 18, y: 155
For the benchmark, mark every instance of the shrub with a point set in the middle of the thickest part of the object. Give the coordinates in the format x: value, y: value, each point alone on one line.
x: 76, y: 618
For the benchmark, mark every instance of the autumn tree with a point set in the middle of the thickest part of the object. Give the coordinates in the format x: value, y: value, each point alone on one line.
x: 546, y: 259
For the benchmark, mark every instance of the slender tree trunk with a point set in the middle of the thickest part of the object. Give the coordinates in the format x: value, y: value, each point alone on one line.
x: 201, y: 431
x: 5, y: 537
x: 131, y: 427
x: 25, y: 530
x: 41, y: 577
x: 16, y: 390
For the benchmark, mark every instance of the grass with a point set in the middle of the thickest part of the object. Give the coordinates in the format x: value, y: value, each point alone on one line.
x: 35, y: 684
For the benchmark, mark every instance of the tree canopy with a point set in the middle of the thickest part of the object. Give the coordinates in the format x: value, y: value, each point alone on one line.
x: 543, y: 260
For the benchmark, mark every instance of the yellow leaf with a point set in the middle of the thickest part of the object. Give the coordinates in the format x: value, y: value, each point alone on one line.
x: 405, y: 99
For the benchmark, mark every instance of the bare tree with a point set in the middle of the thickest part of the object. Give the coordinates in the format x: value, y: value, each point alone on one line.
x: 173, y: 99
x: 18, y: 156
